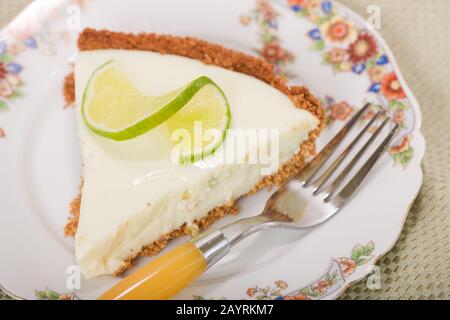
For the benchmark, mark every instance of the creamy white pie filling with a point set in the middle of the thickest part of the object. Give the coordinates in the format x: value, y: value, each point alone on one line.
x: 133, y: 193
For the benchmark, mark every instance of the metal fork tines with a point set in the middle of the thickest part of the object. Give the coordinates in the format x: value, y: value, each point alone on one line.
x: 309, y: 178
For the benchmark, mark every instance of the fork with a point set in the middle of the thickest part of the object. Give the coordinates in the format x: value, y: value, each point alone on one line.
x: 304, y: 202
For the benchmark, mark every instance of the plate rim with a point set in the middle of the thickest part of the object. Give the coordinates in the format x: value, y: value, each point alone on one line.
x: 415, y: 104
x: 418, y: 134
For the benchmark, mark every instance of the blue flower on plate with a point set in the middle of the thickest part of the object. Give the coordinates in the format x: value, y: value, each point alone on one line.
x: 375, y: 88
x: 326, y: 7
x: 14, y: 68
x: 31, y: 43
x: 359, y: 68
x: 330, y: 100
x: 296, y: 8
x: 382, y: 60
x: 273, y: 24
x: 3, y: 47
x: 315, y: 34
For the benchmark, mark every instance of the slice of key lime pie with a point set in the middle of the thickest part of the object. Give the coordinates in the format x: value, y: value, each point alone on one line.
x: 133, y: 93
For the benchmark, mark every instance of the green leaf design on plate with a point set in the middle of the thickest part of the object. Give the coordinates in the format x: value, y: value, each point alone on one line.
x: 396, y: 104
x: 3, y: 106
x: 369, y: 248
x: 268, y: 37
x: 318, y: 45
x: 6, y: 57
x: 357, y: 251
x: 362, y: 254
x: 302, y: 13
x: 47, y: 294
x: 363, y: 260
x: 404, y: 157
x: 17, y: 94
x: 370, y: 64
x: 323, y: 19
x: 276, y: 293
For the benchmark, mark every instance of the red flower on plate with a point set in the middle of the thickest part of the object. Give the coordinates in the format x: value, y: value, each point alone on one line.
x: 3, y: 71
x: 322, y: 286
x: 2, y: 133
x: 81, y: 3
x: 391, y: 87
x: 363, y: 48
x: 348, y: 266
x: 274, y: 53
x: 266, y: 10
x: 67, y: 296
x: 300, y: 3
x: 341, y: 111
x: 403, y: 146
x: 370, y: 113
x: 251, y: 292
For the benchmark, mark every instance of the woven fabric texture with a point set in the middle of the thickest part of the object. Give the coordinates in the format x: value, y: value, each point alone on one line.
x: 418, y: 267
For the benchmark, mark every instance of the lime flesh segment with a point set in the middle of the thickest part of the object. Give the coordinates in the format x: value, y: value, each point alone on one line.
x: 203, y: 119
x: 113, y: 108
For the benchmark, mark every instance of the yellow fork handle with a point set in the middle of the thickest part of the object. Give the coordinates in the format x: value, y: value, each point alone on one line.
x: 162, y: 278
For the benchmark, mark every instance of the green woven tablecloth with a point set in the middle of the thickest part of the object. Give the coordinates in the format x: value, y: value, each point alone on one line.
x: 418, y: 267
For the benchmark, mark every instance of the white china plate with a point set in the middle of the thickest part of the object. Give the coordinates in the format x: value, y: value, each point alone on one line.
x: 40, y: 163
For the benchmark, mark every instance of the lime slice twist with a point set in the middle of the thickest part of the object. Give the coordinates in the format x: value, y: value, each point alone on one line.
x: 112, y: 107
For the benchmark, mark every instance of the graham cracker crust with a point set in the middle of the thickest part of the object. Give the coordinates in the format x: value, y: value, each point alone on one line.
x: 213, y: 54
x: 69, y: 89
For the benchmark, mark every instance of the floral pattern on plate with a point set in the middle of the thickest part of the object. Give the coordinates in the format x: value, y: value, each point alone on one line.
x: 48, y: 294
x: 270, y: 22
x: 10, y: 80
x: 37, y: 34
x: 334, y: 278
x: 266, y: 17
x: 348, y: 48
x: 344, y: 47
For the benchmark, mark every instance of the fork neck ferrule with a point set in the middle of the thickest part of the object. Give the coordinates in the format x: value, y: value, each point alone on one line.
x: 213, y: 245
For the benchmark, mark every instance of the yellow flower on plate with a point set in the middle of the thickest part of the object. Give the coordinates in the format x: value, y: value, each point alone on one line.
x: 245, y: 20
x: 13, y: 79
x: 345, y: 66
x: 6, y: 89
x: 314, y: 18
x: 313, y: 4
x: 377, y: 73
x: 281, y: 284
